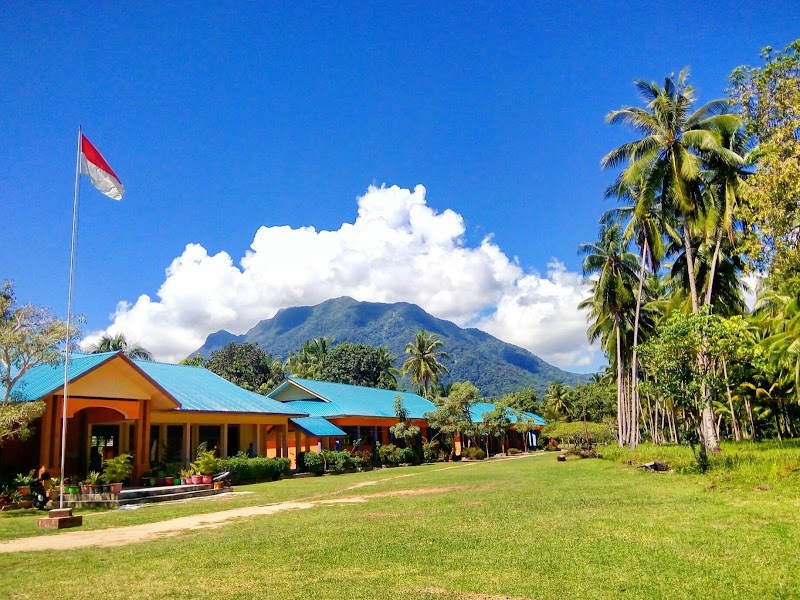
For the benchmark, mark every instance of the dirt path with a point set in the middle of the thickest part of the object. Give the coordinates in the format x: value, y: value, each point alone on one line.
x: 118, y: 536
x: 132, y: 534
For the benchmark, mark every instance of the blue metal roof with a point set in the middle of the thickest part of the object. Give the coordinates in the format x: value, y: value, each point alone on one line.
x: 351, y: 400
x: 318, y: 427
x: 197, y: 388
x: 44, y: 379
x: 479, y: 409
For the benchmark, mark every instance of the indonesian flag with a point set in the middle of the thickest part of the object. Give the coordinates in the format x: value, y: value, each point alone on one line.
x: 95, y: 166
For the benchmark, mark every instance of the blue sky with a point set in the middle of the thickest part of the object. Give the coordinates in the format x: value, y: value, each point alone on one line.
x: 221, y: 120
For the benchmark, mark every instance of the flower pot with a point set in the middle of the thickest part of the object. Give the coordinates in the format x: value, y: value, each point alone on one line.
x: 86, y: 488
x: 24, y: 490
x: 153, y: 482
x: 197, y: 479
x: 116, y: 488
x: 206, y: 479
x: 167, y: 480
x: 176, y: 481
x: 218, y: 485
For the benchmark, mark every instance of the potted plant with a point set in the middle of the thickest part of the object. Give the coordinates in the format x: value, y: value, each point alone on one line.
x: 93, y: 480
x: 116, y: 470
x: 205, y: 463
x: 71, y: 485
x: 23, y: 483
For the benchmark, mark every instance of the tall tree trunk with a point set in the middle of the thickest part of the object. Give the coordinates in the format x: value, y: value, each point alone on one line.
x: 634, y: 361
x: 749, y: 410
x: 737, y: 434
x: 712, y: 272
x: 687, y: 245
x: 622, y: 421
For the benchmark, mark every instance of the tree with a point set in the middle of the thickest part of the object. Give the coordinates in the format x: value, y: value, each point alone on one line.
x: 452, y: 416
x: 670, y: 158
x: 611, y: 305
x: 118, y: 342
x: 524, y: 401
x: 308, y: 361
x: 403, y: 429
x: 248, y: 366
x: 358, y: 364
x: 423, y: 361
x: 557, y: 400
x: 768, y: 97
x: 497, y: 422
x: 29, y: 336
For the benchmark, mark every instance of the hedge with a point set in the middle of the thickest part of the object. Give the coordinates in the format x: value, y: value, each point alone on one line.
x: 253, y: 470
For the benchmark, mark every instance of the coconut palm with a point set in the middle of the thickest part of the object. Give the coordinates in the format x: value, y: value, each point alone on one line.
x: 116, y: 343
x: 668, y: 158
x: 423, y: 362
x: 308, y: 361
x: 611, y: 305
x: 558, y: 400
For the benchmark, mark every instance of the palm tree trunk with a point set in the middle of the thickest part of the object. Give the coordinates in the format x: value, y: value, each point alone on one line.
x: 737, y: 434
x: 634, y: 360
x: 713, y: 270
x: 687, y: 245
x: 749, y: 410
x: 622, y: 420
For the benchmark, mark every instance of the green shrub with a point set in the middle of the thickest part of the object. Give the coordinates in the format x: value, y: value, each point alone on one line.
x: 313, y: 462
x: 338, y: 461
x: 473, y: 452
x: 254, y: 470
x: 407, y: 456
x: 581, y: 434
x: 430, y: 451
x: 388, y: 455
x: 513, y: 451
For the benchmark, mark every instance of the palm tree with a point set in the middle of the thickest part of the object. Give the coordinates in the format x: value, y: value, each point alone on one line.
x: 389, y: 372
x: 308, y: 361
x: 558, y: 399
x: 116, y: 343
x: 668, y: 157
x: 423, y: 360
x: 610, y: 306
x: 646, y: 226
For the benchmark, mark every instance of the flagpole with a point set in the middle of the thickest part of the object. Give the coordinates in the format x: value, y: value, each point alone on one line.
x: 69, y: 316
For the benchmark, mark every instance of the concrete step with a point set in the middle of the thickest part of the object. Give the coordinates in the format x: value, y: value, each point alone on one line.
x: 142, y: 496
x: 209, y: 491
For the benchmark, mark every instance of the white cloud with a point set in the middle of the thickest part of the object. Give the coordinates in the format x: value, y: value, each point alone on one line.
x: 398, y: 249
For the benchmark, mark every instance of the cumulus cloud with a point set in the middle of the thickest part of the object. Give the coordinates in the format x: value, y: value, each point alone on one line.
x: 397, y: 249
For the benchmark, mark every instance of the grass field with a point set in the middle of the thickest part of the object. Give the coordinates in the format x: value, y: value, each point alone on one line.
x: 518, y: 528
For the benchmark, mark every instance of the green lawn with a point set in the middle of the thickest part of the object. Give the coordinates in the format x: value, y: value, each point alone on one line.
x: 521, y: 528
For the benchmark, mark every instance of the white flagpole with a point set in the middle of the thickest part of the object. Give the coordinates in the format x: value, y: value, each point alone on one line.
x: 69, y: 317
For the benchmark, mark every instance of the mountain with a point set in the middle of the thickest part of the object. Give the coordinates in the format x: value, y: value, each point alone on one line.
x: 494, y: 366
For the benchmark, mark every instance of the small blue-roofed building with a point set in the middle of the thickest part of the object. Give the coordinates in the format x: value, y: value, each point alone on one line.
x: 362, y: 413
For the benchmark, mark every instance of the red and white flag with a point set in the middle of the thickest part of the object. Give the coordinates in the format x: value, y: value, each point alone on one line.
x: 95, y: 166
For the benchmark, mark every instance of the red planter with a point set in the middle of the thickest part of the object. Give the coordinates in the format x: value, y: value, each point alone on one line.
x: 197, y: 479
x: 206, y: 478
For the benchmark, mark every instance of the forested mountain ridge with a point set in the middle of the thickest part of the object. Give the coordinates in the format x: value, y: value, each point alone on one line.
x: 494, y: 366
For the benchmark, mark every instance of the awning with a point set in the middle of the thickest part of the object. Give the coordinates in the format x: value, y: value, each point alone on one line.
x: 317, y: 427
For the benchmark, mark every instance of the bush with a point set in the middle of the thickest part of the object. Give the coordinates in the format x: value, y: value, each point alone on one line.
x: 473, y: 452
x: 583, y: 435
x: 338, y: 461
x: 254, y: 470
x: 513, y: 451
x: 388, y: 454
x: 430, y: 451
x: 407, y: 456
x: 313, y: 462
